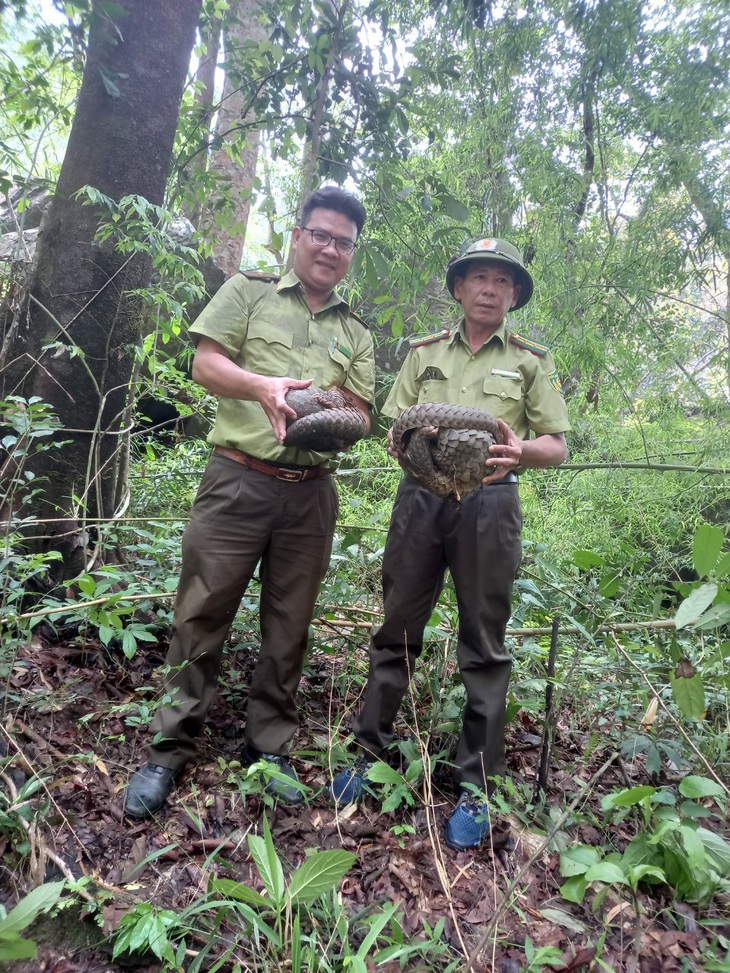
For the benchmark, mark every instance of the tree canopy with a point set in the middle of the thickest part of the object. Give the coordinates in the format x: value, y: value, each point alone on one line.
x: 139, y: 143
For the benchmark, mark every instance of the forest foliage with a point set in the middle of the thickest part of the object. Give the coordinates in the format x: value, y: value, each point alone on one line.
x: 593, y: 135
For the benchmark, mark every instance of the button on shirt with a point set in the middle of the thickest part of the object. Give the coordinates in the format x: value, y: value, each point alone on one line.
x: 268, y: 328
x: 510, y: 382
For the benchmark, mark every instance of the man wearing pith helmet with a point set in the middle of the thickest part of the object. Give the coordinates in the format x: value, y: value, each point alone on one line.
x: 481, y: 363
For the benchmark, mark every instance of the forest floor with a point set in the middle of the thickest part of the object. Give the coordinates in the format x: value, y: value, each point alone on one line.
x: 70, y: 715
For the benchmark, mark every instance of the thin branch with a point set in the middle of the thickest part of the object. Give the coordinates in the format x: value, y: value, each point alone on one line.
x: 547, y: 736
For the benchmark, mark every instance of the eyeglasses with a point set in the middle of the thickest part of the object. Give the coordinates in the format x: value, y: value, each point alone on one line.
x: 322, y: 238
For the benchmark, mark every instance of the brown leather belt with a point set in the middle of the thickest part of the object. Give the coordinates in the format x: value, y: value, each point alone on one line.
x: 291, y: 474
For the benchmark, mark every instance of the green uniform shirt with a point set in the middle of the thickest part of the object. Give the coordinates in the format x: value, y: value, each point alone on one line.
x: 505, y: 379
x: 268, y: 328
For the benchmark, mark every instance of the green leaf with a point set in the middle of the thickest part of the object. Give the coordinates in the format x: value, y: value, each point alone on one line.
x: 25, y: 912
x: 722, y: 568
x: 706, y: 547
x: 296, y: 945
x: 609, y: 583
x: 599, y: 898
x: 691, y: 809
x: 382, y: 773
x: 268, y: 864
x: 129, y: 644
x: 695, y: 604
x: 140, y: 933
x: 319, y: 874
x: 627, y: 797
x: 455, y: 208
x: 14, y: 947
x: 158, y: 941
x: 377, y: 924
x: 694, y: 787
x: 577, y: 860
x: 585, y: 560
x: 694, y: 847
x: 106, y: 634
x: 572, y: 620
x: 607, y: 872
x: 689, y: 695
x: 31, y: 787
x: 714, y: 617
x: 638, y: 872
x: 231, y: 889
x: 381, y: 265
x: 87, y: 585
x: 574, y: 889
x: 414, y: 770
x: 397, y: 796
x: 653, y: 761
x: 718, y: 849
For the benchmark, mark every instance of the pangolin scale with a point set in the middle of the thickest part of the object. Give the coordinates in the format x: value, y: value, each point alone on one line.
x: 325, y: 422
x: 452, y: 461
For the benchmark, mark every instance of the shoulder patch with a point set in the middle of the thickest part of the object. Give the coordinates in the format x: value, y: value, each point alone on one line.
x: 263, y: 277
x: 529, y: 345
x: 555, y: 382
x: 429, y: 339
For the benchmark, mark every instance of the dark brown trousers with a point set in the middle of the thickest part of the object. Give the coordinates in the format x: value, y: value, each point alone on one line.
x: 241, y: 517
x: 479, y: 541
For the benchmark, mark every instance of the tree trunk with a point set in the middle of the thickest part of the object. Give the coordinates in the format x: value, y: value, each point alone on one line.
x: 205, y: 108
x: 80, y: 302
x: 235, y: 161
x: 311, y: 150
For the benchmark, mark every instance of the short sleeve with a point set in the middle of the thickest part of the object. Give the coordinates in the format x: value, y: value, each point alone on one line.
x: 545, y: 407
x: 225, y: 318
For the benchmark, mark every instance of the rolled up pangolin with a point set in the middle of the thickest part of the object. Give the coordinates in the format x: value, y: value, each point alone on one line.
x: 451, y: 462
x: 325, y: 422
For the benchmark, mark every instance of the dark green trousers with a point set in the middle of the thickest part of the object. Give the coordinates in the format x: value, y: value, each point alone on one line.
x: 241, y: 517
x: 479, y: 541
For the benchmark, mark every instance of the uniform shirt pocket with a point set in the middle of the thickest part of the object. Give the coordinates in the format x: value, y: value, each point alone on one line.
x: 340, y: 363
x: 268, y: 350
x: 505, y: 388
x: 433, y: 384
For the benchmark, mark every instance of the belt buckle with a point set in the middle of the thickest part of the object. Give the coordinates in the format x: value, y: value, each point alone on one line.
x: 291, y: 476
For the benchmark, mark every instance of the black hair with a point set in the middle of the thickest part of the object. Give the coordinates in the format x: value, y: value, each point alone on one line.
x: 336, y: 199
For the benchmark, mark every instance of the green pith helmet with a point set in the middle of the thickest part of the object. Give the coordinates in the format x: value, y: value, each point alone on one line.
x: 495, y: 251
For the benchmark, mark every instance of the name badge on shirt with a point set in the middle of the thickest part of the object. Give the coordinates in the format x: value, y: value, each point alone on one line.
x: 336, y: 346
x: 504, y: 373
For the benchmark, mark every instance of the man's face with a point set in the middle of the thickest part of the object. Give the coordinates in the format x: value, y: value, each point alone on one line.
x: 320, y: 269
x: 487, y: 291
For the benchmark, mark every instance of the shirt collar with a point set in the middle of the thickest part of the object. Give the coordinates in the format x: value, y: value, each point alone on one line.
x: 460, y: 333
x: 290, y: 281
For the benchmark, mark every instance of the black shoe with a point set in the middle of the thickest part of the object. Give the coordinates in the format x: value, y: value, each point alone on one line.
x: 285, y: 786
x: 148, y: 790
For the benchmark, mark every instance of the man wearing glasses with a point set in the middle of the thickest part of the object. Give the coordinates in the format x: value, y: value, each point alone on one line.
x: 259, y: 500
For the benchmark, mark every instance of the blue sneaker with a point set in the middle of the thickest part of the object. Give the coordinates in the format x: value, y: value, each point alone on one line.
x: 468, y: 826
x: 348, y: 786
